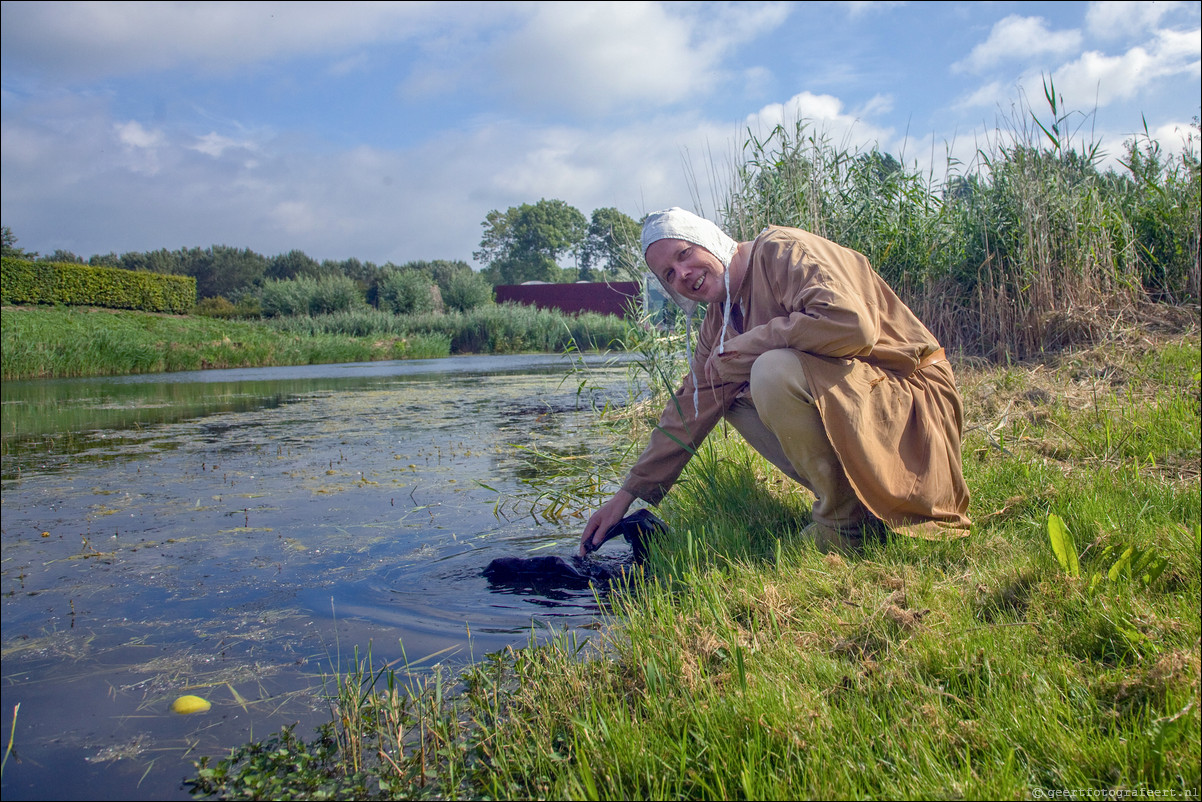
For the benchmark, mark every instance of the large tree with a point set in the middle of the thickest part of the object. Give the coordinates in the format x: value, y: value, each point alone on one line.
x: 611, y: 247
x: 525, y: 242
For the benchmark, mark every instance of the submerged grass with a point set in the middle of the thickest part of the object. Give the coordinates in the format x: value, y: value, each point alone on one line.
x: 745, y: 664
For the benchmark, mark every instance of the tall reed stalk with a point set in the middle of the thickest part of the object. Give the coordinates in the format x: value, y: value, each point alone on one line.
x: 1032, y: 247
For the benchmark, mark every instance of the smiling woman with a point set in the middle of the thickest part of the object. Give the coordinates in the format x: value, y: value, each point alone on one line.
x: 814, y: 359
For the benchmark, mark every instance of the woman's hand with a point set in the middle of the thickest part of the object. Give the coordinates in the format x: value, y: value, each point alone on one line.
x: 605, y: 518
x: 714, y: 365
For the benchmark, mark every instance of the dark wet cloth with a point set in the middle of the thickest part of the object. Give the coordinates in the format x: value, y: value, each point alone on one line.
x: 554, y: 571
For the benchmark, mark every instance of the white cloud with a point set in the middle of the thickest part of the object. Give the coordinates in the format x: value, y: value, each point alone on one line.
x: 1097, y: 79
x: 128, y: 186
x: 875, y: 106
x: 1173, y: 136
x: 988, y: 95
x: 129, y: 171
x: 1018, y: 38
x: 825, y: 114
x: 1113, y: 19
x: 214, y: 144
x: 133, y: 135
x: 89, y: 39
x: 1104, y: 79
x: 608, y: 55
x: 142, y: 147
x: 602, y: 56
x: 860, y: 8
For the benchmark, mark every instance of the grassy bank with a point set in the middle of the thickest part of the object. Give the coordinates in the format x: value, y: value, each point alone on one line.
x: 66, y: 342
x: 747, y: 665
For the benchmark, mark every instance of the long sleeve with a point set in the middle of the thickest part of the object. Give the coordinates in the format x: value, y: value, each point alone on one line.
x: 681, y: 429
x: 820, y: 308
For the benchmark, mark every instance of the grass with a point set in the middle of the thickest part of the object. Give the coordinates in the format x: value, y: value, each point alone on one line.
x: 747, y: 665
x: 69, y: 342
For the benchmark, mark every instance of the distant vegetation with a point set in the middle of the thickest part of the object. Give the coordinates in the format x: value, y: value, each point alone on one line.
x: 290, y: 309
x: 65, y: 342
x: 521, y: 244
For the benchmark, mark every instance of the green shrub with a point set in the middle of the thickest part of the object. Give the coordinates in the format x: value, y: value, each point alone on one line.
x: 311, y: 296
x: 466, y: 291
x: 25, y: 282
x: 1033, y: 248
x: 219, y: 307
x: 406, y: 292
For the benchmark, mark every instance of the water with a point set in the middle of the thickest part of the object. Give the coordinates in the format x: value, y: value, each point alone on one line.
x: 236, y: 534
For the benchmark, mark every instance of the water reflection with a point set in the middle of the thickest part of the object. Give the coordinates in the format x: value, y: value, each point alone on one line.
x: 237, y: 535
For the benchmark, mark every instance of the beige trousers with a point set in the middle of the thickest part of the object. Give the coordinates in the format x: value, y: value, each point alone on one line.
x: 781, y: 422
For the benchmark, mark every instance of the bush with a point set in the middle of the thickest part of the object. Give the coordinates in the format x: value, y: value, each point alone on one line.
x: 466, y: 291
x: 222, y: 309
x: 25, y: 282
x: 407, y: 292
x: 1033, y: 248
x: 311, y: 296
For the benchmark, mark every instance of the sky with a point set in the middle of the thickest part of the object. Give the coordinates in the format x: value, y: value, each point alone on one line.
x: 387, y: 131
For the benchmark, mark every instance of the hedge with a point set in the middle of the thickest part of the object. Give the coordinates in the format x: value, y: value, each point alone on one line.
x: 24, y: 282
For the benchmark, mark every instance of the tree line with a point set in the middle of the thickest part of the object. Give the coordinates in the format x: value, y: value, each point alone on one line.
x: 523, y: 243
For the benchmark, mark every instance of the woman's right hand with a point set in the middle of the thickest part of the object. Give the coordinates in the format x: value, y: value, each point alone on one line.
x: 604, y: 519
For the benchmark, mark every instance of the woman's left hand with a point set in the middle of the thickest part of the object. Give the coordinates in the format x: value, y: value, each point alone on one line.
x: 715, y: 364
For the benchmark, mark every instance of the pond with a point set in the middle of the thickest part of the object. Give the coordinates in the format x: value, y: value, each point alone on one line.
x: 238, y: 534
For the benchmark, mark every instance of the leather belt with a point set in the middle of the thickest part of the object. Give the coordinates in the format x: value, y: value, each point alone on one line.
x: 932, y: 358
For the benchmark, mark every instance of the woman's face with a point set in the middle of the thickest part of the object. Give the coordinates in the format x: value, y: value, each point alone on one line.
x: 688, y: 269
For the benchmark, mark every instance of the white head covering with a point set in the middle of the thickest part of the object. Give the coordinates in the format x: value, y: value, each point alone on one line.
x: 678, y: 223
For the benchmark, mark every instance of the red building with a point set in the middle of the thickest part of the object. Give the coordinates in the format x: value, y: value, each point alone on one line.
x: 603, y: 297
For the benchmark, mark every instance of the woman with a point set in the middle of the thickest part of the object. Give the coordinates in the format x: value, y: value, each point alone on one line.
x: 821, y: 367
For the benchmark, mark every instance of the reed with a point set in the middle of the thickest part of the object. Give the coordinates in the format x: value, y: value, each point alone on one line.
x: 1032, y: 247
x: 59, y: 343
x: 47, y: 342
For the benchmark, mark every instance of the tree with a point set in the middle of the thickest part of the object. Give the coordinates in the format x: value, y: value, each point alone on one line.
x: 440, y: 271
x: 293, y: 264
x: 110, y: 259
x: 525, y: 242
x: 160, y: 261
x: 222, y: 270
x: 8, y: 247
x: 363, y: 272
x: 62, y: 257
x: 611, y: 246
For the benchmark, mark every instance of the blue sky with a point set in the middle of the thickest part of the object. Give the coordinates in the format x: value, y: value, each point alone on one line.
x: 387, y: 131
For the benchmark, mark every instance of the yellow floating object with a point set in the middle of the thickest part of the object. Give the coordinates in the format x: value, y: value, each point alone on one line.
x: 190, y: 704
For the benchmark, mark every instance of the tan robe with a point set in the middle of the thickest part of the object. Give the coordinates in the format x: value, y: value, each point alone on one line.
x: 895, y: 429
